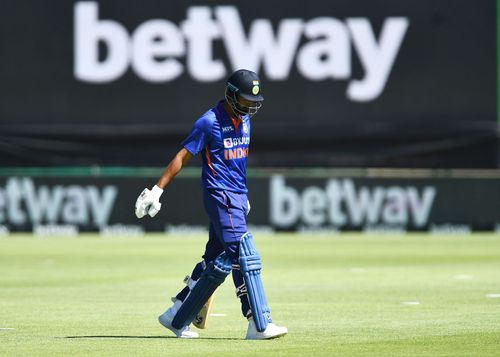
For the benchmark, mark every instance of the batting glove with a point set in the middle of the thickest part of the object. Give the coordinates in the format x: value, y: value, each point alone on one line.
x: 248, y: 207
x: 148, y: 202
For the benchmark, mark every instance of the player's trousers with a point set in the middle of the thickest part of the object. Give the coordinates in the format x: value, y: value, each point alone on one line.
x: 227, y: 213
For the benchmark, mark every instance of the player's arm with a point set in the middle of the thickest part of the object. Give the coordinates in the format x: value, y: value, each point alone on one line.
x: 174, y: 167
x: 148, y: 201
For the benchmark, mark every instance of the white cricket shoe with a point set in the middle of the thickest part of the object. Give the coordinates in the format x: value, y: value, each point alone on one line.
x: 271, y: 331
x: 166, y: 320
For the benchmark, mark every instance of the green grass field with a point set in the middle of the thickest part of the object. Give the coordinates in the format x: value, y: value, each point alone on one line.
x: 349, y: 295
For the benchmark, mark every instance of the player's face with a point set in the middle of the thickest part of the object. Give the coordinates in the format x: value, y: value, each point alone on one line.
x: 244, y: 102
x: 247, y: 106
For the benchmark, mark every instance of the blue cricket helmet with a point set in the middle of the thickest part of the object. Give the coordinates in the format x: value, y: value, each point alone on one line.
x: 245, y: 84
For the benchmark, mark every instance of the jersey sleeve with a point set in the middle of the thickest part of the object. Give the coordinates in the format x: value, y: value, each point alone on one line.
x: 200, y: 135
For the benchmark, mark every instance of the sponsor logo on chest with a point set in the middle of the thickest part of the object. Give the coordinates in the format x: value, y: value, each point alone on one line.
x: 233, y: 142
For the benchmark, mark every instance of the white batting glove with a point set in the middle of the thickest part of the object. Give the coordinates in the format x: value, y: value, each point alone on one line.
x: 148, y: 202
x: 248, y: 207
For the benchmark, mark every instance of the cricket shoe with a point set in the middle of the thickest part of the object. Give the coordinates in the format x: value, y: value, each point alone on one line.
x: 166, y: 320
x: 271, y: 331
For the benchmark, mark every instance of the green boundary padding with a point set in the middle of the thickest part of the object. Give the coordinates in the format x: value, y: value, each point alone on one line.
x: 79, y: 171
x: 188, y: 172
x: 195, y: 172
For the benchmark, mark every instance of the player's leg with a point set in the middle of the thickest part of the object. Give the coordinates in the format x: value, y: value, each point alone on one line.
x: 260, y: 324
x: 229, y: 216
x: 232, y: 249
x: 214, y: 275
x: 213, y: 249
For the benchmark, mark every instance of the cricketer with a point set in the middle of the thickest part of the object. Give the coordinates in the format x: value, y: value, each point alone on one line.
x: 222, y: 136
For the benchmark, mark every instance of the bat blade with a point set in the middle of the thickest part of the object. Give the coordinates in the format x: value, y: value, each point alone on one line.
x: 201, y: 319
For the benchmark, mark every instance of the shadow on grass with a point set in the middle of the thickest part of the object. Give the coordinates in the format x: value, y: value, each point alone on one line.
x: 167, y: 337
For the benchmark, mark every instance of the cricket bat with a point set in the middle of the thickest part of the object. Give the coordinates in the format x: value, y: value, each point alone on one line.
x: 201, y: 319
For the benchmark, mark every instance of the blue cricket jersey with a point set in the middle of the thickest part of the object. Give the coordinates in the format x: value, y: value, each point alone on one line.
x: 223, y: 142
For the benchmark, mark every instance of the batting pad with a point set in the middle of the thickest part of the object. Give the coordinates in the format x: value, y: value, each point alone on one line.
x: 212, y: 277
x: 251, y: 266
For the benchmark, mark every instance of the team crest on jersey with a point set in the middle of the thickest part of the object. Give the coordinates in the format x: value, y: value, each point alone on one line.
x: 228, y: 143
x: 244, y: 127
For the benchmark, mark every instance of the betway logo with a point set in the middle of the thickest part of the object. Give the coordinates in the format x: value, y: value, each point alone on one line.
x: 322, y: 48
x: 23, y: 203
x: 341, y: 203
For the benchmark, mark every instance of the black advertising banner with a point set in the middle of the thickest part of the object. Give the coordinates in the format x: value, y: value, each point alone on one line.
x: 347, y: 83
x: 380, y: 204
x: 50, y: 205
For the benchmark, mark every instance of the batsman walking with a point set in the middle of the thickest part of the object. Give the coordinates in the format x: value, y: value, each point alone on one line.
x: 222, y: 137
